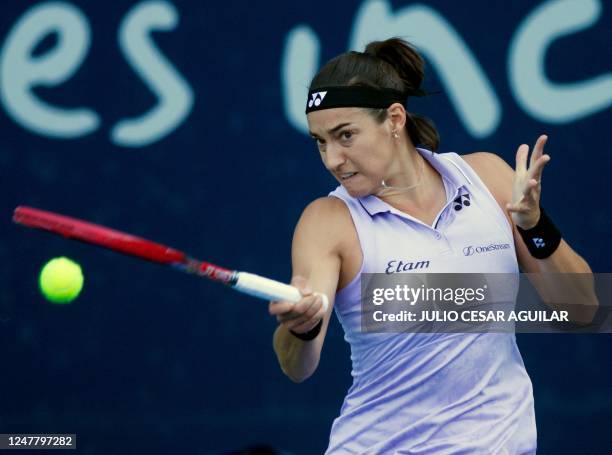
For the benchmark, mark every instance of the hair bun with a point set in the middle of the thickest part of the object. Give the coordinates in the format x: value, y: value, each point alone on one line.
x: 402, y: 56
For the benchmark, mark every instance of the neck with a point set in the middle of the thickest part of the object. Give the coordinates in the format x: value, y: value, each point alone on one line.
x: 407, y: 178
x: 414, y: 184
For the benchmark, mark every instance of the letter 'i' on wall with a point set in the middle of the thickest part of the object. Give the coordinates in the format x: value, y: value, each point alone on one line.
x: 299, y: 64
x: 21, y: 72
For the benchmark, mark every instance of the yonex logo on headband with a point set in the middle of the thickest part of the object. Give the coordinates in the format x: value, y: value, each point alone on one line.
x: 316, y: 99
x: 353, y: 96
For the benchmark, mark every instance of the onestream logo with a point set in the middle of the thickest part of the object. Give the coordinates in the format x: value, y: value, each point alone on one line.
x: 472, y: 250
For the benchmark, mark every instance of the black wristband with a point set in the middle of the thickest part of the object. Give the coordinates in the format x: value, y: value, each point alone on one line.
x: 543, y: 239
x: 311, y: 334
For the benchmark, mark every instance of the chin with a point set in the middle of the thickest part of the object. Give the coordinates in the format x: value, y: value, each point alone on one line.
x: 357, y: 192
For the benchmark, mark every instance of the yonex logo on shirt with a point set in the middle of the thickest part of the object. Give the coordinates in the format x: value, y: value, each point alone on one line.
x: 316, y: 98
x: 460, y: 201
x: 539, y: 242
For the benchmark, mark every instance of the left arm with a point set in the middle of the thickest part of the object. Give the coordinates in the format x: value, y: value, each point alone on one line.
x: 518, y: 194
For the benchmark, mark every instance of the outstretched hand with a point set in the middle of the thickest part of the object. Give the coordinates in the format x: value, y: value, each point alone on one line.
x: 527, y: 184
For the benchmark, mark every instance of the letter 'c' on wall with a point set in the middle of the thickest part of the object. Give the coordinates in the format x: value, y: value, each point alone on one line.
x: 541, y: 98
x: 20, y: 71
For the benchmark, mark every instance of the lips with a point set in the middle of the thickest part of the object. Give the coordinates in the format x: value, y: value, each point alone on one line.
x: 347, y: 175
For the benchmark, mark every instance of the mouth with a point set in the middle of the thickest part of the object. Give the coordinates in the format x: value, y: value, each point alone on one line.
x: 347, y: 175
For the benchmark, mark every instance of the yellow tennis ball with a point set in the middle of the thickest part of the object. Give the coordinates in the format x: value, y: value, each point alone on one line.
x: 61, y: 280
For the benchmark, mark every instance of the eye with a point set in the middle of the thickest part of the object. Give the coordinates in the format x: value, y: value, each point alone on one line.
x: 346, y: 137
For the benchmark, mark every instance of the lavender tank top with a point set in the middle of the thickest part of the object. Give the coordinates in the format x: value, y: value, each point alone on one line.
x: 433, y: 393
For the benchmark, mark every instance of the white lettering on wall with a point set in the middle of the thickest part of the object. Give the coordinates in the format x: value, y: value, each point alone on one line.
x: 174, y: 93
x: 543, y: 99
x: 299, y: 64
x: 464, y: 81
x: 20, y: 71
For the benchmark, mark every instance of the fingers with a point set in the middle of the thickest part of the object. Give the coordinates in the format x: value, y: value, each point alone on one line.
x: 521, y: 158
x: 535, y: 170
x: 527, y: 181
x: 517, y: 208
x: 530, y: 190
x: 303, y: 315
x: 537, y: 160
x: 524, y: 207
x: 299, y: 309
x: 538, y: 149
x: 309, y: 319
x: 278, y: 307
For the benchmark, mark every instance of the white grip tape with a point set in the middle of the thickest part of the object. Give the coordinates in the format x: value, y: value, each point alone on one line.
x: 268, y: 289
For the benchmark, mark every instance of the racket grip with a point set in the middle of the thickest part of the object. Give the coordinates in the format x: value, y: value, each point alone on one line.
x: 268, y: 289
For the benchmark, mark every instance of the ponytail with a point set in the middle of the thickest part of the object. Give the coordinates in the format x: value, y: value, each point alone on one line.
x: 403, y: 58
x: 422, y: 131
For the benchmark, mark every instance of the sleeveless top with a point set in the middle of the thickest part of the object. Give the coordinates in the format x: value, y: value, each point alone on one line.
x: 433, y: 393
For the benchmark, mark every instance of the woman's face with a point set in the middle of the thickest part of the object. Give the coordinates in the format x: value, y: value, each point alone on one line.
x: 355, y: 148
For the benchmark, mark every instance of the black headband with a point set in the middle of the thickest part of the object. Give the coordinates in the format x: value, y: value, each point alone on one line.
x: 356, y: 96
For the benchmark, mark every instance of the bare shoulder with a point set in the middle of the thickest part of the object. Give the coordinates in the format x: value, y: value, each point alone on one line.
x: 487, y: 163
x: 326, y: 221
x: 326, y: 211
x: 496, y: 174
x: 326, y: 206
x: 323, y: 236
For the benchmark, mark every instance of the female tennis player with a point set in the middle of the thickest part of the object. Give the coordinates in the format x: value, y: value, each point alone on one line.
x: 412, y: 393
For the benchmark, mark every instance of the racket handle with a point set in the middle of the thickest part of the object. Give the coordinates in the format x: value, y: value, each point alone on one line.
x: 268, y: 289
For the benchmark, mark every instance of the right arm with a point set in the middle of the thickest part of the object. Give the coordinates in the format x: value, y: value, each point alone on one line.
x: 316, y: 261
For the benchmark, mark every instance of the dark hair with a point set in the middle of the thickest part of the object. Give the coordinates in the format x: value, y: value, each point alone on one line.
x: 393, y: 63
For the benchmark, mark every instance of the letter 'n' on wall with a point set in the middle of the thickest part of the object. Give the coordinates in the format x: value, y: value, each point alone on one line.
x: 464, y: 81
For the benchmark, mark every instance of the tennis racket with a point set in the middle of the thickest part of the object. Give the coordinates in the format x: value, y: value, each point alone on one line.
x: 130, y: 245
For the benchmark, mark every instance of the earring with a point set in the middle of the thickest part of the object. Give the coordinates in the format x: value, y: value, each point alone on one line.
x: 395, y: 135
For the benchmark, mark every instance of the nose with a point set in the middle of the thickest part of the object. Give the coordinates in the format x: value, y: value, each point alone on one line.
x: 334, y: 157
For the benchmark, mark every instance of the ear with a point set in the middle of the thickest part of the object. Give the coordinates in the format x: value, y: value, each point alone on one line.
x: 396, y: 114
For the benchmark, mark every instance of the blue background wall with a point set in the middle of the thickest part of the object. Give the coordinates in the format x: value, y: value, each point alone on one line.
x: 152, y: 359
